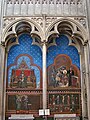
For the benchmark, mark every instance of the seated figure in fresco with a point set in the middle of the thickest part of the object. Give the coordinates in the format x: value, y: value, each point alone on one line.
x: 23, y: 77
x: 22, y: 82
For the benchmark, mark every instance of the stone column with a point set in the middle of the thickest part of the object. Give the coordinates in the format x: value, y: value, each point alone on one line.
x: 4, y: 76
x: 44, y: 50
x: 88, y: 83
x: 87, y: 79
x: 83, y: 86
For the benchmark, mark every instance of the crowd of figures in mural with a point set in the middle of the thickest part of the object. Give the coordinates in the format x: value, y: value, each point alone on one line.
x: 63, y: 73
x: 64, y: 103
x: 62, y: 77
x: 23, y: 77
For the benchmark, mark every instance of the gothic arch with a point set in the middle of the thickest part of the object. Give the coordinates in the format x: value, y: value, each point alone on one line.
x: 36, y: 29
x: 72, y: 24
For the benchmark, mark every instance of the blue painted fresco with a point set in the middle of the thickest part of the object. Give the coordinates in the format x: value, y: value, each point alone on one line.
x: 25, y: 47
x: 63, y: 48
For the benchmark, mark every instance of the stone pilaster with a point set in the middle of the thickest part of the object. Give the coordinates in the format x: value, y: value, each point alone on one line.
x: 88, y: 20
x: 87, y: 79
x: 83, y: 86
x: 2, y: 62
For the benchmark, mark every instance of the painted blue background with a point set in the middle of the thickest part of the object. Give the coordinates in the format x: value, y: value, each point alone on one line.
x: 63, y: 48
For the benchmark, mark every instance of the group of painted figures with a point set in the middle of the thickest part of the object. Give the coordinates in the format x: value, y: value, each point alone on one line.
x: 64, y: 103
x: 23, y: 81
x: 21, y: 102
x: 62, y: 77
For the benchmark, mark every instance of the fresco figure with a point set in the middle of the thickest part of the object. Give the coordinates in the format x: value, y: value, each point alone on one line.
x: 65, y: 79
x: 52, y: 77
x: 18, y: 102
x: 70, y: 74
x: 72, y: 103
x: 68, y: 100
x: 57, y: 100
x: 23, y: 81
x: 53, y: 82
x: 58, y: 79
x: 21, y: 102
x: 24, y: 102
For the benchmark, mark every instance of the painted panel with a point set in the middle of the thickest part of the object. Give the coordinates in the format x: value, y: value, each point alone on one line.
x: 24, y: 51
x: 64, y: 103
x: 63, y: 64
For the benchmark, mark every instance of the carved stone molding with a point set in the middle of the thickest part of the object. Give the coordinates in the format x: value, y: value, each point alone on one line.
x: 49, y: 20
x: 82, y: 21
x: 39, y: 20
x: 7, y: 21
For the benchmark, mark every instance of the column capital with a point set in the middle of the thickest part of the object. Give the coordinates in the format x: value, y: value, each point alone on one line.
x: 44, y: 42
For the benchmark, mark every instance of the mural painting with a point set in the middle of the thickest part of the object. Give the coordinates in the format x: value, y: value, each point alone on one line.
x: 30, y: 57
x: 23, y: 73
x: 23, y: 77
x: 63, y: 73
x: 64, y: 103
x: 23, y: 102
